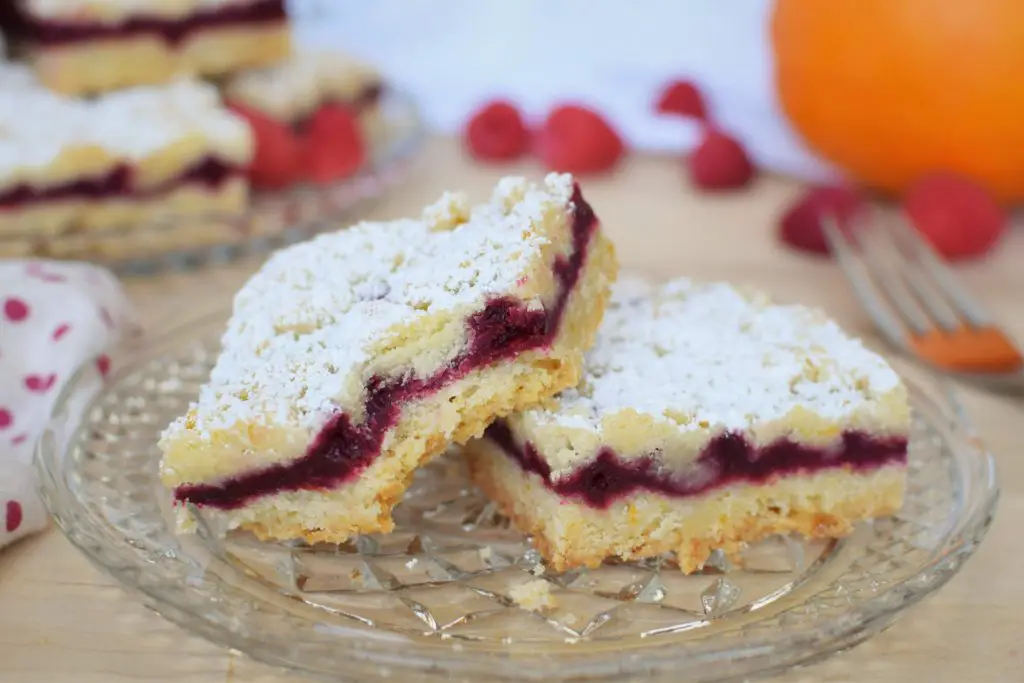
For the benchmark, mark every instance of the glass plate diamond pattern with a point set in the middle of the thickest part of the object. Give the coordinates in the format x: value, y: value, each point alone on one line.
x: 436, y: 599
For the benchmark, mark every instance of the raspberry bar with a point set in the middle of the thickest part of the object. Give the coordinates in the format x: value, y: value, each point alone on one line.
x: 129, y: 157
x: 353, y: 358
x: 186, y: 153
x: 87, y: 46
x: 292, y: 91
x: 707, y: 418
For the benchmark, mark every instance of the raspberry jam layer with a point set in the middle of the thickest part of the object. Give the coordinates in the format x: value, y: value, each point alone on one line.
x: 118, y: 183
x: 50, y: 31
x: 342, y: 449
x: 729, y: 458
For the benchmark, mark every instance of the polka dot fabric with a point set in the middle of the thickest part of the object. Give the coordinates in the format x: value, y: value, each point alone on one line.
x: 54, y: 318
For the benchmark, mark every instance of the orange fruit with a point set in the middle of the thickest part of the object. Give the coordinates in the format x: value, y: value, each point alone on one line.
x: 891, y: 90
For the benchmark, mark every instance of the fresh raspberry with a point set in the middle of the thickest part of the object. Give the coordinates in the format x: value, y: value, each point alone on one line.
x: 578, y: 140
x: 496, y: 132
x: 682, y: 98
x: 958, y: 216
x: 800, y: 226
x: 720, y: 163
x: 275, y: 164
x: 334, y: 148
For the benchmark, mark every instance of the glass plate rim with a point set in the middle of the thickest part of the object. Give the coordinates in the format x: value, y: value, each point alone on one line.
x: 759, y: 655
x: 385, y: 169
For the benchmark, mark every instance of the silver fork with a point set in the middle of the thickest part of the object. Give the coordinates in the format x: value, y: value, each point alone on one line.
x: 918, y: 306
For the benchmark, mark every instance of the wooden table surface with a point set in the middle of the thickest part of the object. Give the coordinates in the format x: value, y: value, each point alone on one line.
x: 61, y: 621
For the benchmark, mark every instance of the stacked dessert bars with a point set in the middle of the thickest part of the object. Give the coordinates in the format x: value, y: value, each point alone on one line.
x: 152, y: 140
x: 606, y: 419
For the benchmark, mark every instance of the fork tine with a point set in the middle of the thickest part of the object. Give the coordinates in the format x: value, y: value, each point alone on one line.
x: 877, y: 252
x: 864, y: 290
x: 922, y: 252
x: 933, y: 302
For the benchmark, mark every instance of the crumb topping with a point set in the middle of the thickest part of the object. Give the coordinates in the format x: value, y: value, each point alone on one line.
x: 37, y: 126
x: 294, y: 88
x: 161, y: 115
x: 534, y: 595
x: 321, y: 318
x: 691, y: 358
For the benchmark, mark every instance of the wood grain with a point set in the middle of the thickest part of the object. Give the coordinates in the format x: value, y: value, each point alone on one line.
x: 61, y: 621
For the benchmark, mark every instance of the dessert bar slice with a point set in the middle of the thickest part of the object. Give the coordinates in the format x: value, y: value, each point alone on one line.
x: 292, y: 91
x: 85, y: 46
x: 179, y: 153
x: 351, y: 359
x: 129, y: 157
x: 47, y: 158
x: 706, y: 418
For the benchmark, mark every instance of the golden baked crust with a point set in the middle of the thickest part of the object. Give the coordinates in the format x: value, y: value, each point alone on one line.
x: 106, y: 64
x: 570, y: 535
x: 198, y: 205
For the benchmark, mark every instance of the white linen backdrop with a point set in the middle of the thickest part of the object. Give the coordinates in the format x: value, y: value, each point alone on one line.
x: 454, y: 54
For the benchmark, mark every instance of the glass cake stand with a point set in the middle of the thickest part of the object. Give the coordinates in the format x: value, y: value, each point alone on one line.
x: 430, y: 602
x: 273, y: 219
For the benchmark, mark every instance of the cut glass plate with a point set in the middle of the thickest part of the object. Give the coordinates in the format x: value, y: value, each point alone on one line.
x: 432, y: 601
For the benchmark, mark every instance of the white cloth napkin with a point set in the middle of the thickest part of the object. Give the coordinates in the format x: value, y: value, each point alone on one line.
x: 54, y: 318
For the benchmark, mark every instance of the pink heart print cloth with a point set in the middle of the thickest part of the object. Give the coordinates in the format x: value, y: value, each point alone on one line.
x: 55, y: 318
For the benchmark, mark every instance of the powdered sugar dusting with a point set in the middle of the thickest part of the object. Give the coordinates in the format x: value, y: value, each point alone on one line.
x: 706, y: 356
x: 297, y: 86
x: 137, y: 122
x: 307, y: 328
x: 15, y: 75
x: 37, y: 126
